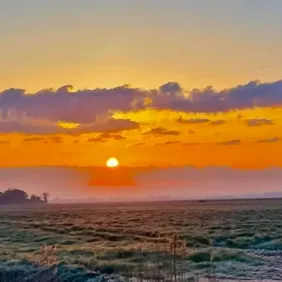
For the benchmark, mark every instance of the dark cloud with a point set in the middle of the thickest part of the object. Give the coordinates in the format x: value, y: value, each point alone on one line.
x: 87, y: 106
x: 218, y: 122
x: 33, y: 139
x: 172, y: 88
x: 231, y: 142
x: 28, y: 128
x: 108, y: 125
x: 104, y: 137
x: 208, y: 100
x: 55, y: 139
x: 162, y: 131
x: 96, y: 140
x: 112, y: 136
x: 191, y: 131
x: 258, y: 122
x: 170, y: 143
x: 193, y: 121
x: 82, y: 106
x: 269, y: 140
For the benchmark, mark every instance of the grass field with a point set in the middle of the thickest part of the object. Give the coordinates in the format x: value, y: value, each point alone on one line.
x: 172, y: 240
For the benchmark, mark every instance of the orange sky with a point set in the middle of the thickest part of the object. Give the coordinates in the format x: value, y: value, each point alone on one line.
x: 163, y: 138
x: 134, y: 67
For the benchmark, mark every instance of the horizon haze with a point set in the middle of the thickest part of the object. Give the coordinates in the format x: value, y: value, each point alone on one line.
x: 186, y: 95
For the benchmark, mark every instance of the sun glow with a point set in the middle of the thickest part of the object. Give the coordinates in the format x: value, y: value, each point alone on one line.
x: 112, y: 162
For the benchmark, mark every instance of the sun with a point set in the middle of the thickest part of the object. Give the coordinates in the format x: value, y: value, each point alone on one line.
x: 112, y: 162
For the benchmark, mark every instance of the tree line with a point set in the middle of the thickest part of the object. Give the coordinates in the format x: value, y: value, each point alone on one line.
x: 16, y: 196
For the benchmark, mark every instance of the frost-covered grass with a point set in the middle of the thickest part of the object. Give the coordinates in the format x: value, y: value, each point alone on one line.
x: 241, y: 240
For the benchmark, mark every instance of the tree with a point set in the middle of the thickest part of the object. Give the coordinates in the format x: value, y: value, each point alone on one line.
x: 35, y: 199
x: 14, y: 196
x: 45, y: 197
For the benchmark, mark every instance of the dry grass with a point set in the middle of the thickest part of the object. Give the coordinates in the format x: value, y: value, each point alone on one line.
x: 157, y: 242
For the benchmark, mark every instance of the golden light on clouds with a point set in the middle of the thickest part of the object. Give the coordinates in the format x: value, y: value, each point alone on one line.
x: 238, y: 127
x: 68, y: 125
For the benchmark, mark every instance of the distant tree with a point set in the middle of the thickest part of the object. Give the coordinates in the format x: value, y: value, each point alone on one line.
x: 14, y: 196
x: 35, y: 199
x: 45, y: 197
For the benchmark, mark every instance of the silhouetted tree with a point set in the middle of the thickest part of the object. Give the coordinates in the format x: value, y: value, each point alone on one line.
x: 35, y: 199
x: 14, y: 196
x: 45, y: 197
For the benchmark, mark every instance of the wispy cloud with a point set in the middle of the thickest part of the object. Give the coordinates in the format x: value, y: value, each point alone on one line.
x: 104, y: 137
x: 55, y: 139
x: 162, y: 131
x: 218, y: 122
x: 193, y: 121
x: 170, y: 143
x: 269, y: 140
x: 33, y: 139
x: 230, y: 142
x: 258, y: 122
x: 136, y: 144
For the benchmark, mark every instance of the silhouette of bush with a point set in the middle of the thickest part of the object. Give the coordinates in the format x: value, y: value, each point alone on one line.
x: 17, y: 197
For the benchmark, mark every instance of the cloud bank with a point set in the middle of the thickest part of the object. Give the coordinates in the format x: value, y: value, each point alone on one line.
x: 92, y: 109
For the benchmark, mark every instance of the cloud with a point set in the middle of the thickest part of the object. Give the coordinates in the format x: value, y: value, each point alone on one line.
x: 191, y: 131
x: 218, y: 122
x: 231, y: 142
x: 208, y: 100
x: 200, y: 121
x: 193, y: 121
x: 104, y: 137
x: 88, y: 107
x: 112, y: 136
x: 269, y: 140
x: 31, y: 127
x: 162, y: 131
x: 81, y: 106
x: 136, y: 144
x: 96, y: 140
x: 109, y: 125
x: 170, y: 143
x: 258, y: 122
x: 172, y: 88
x: 33, y: 139
x: 55, y: 139
x: 28, y: 128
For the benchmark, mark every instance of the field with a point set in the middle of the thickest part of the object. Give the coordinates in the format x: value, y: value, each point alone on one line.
x: 172, y: 240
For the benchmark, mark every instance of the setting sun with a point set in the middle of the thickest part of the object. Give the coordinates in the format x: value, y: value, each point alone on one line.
x: 112, y: 162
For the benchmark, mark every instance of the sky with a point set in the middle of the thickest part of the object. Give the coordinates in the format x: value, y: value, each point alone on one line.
x: 159, y: 85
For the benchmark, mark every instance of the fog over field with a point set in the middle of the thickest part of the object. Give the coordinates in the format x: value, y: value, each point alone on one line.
x: 92, y: 183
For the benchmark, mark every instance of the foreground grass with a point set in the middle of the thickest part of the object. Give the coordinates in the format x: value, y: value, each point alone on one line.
x: 157, y: 241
